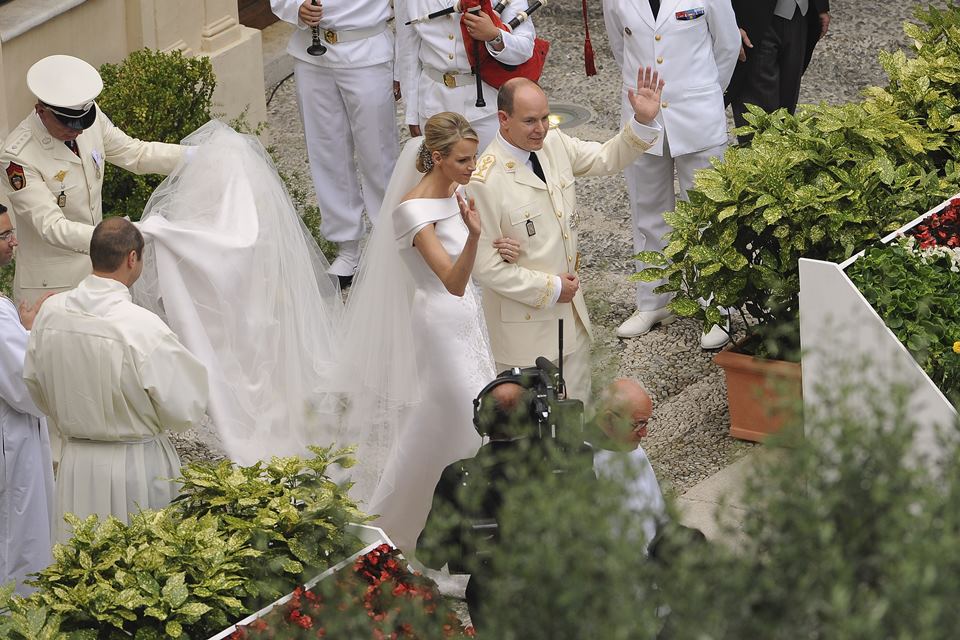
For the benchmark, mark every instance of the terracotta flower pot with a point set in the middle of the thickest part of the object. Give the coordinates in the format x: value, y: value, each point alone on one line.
x: 762, y: 394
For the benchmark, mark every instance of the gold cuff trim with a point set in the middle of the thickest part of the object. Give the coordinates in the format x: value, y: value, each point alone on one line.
x: 547, y: 296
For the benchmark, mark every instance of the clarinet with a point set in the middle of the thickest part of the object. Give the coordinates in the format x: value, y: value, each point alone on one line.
x: 476, y: 64
x: 524, y: 15
x: 454, y: 8
x: 316, y: 48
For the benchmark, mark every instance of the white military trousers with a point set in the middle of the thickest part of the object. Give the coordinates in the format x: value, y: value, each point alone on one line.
x: 349, y: 120
x: 651, y: 190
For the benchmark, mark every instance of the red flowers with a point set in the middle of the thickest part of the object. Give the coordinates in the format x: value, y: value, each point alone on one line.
x: 394, y: 602
x: 941, y: 229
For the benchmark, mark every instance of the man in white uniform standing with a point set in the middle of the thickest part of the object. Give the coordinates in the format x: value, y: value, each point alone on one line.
x: 525, y: 189
x: 26, y: 471
x: 435, y: 73
x: 347, y: 101
x: 695, y: 44
x: 54, y: 162
x: 114, y: 377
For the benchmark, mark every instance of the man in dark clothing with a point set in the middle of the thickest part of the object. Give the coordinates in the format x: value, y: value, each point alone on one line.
x: 778, y: 41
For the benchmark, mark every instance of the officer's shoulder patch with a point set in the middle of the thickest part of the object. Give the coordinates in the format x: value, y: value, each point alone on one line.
x: 483, y: 168
x: 17, y: 142
x: 15, y: 176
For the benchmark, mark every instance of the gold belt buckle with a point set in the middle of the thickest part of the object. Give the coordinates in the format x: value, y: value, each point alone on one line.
x: 449, y: 81
x: 330, y: 36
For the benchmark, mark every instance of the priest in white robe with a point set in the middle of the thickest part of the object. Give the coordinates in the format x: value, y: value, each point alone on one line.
x: 26, y: 472
x: 114, y: 377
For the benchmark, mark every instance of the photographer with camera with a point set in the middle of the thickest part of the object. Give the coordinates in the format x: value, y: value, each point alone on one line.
x: 536, y: 435
x: 532, y: 433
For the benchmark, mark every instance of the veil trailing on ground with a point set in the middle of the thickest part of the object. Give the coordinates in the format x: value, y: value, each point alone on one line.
x: 378, y: 366
x: 232, y: 269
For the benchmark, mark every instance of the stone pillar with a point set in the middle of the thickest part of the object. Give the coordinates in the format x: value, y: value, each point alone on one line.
x: 237, y: 56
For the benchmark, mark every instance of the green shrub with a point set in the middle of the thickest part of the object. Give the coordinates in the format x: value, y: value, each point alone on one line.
x: 291, y: 512
x: 235, y: 540
x: 153, y: 96
x: 820, y: 185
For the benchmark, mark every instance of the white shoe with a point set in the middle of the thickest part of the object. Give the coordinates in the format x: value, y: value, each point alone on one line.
x: 346, y: 262
x: 642, y: 321
x: 715, y: 338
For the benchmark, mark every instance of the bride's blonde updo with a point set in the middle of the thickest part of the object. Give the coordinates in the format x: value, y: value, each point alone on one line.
x: 441, y: 132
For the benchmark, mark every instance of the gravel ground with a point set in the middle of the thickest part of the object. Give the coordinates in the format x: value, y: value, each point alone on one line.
x: 689, y: 438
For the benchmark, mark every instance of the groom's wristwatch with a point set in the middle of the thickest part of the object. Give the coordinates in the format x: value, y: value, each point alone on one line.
x: 498, y: 39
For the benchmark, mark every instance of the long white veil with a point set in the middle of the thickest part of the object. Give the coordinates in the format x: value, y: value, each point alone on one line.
x: 235, y: 273
x: 377, y: 361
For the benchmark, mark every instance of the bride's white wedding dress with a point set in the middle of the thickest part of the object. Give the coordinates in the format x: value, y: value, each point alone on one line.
x: 453, y: 364
x: 417, y: 356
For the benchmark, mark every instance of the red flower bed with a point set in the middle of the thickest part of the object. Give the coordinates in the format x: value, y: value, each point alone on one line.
x: 941, y: 229
x: 376, y: 598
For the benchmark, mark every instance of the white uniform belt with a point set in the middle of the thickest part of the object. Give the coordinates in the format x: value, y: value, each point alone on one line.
x: 450, y: 80
x: 351, y: 35
x: 153, y: 438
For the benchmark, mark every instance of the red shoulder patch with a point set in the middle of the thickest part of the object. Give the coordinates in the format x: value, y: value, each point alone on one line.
x: 15, y: 176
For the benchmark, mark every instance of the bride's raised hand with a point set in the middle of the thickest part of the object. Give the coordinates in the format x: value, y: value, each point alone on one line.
x: 468, y: 211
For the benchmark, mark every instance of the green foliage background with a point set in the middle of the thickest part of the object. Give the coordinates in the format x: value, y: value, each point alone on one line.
x: 152, y: 96
x: 819, y: 184
x: 917, y: 299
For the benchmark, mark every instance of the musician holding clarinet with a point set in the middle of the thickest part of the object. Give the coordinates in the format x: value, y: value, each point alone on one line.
x: 436, y: 47
x: 344, y: 52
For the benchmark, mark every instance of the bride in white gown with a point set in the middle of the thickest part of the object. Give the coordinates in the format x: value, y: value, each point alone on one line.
x: 415, y: 332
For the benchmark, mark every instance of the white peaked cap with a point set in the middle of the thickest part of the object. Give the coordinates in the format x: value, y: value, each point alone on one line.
x: 64, y: 81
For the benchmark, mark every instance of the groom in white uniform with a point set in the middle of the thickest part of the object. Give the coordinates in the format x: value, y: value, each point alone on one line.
x: 26, y: 471
x: 346, y: 98
x: 524, y: 189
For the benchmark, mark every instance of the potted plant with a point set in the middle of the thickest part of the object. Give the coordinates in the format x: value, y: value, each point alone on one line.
x: 819, y: 184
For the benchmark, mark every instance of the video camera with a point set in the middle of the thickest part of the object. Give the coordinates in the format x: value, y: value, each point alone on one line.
x: 549, y: 413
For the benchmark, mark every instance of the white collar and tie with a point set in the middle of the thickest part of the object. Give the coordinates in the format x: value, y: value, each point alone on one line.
x: 786, y: 8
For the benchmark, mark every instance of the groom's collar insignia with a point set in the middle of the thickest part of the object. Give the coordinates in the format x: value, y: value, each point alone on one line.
x: 483, y: 167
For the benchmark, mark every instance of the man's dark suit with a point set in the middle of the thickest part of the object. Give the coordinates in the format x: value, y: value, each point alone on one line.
x: 767, y: 32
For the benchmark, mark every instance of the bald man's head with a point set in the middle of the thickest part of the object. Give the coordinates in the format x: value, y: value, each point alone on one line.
x: 503, y: 412
x: 624, y: 411
x: 523, y: 113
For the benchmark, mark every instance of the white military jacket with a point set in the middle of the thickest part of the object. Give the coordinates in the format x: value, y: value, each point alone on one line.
x: 513, y: 202
x: 355, y: 32
x: 113, y: 376
x: 55, y: 240
x: 438, y: 45
x: 694, y: 45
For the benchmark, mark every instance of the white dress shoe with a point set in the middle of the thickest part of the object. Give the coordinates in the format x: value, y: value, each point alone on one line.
x: 715, y: 338
x: 642, y: 321
x: 345, y: 264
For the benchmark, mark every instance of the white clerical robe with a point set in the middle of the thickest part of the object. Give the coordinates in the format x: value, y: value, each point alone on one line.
x: 26, y: 472
x: 113, y: 376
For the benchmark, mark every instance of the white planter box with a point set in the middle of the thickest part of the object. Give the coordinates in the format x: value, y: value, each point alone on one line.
x: 373, y: 537
x: 838, y: 327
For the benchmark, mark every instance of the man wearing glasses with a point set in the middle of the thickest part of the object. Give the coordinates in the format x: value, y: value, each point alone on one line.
x: 54, y: 163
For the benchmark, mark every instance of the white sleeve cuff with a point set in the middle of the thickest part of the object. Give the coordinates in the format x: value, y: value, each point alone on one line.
x: 647, y: 133
x: 557, y: 287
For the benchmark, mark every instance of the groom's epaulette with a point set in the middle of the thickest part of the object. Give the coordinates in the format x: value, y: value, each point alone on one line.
x: 483, y: 167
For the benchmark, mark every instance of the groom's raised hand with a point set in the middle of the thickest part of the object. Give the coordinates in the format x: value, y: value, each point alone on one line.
x: 645, y: 99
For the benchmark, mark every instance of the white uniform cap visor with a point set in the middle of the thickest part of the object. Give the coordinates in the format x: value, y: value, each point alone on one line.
x: 68, y: 86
